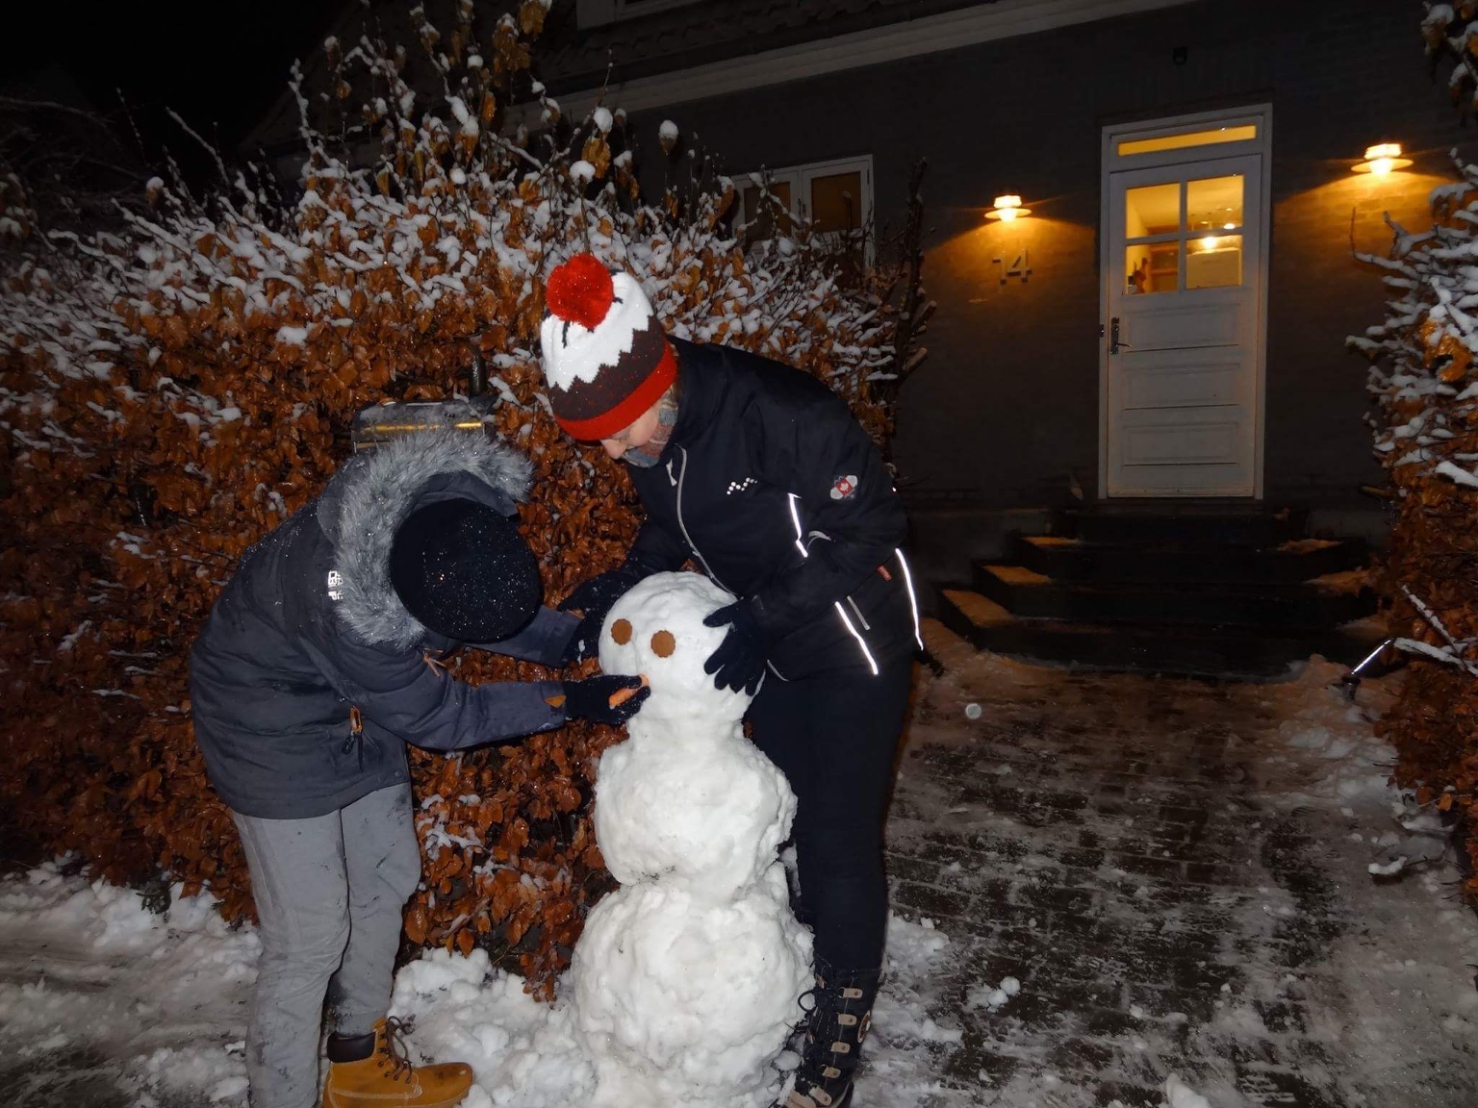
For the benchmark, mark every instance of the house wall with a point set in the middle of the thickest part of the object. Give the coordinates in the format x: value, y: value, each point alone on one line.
x: 1005, y: 412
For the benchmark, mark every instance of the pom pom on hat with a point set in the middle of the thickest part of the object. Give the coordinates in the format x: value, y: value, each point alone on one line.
x: 581, y: 291
x: 604, y: 353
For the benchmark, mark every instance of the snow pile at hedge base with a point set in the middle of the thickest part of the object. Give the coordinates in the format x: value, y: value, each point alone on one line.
x: 175, y: 389
x: 530, y: 1055
x: 112, y: 979
x: 523, y: 1052
x: 156, y: 1005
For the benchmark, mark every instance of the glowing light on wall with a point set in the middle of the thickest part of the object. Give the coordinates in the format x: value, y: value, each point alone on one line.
x: 1007, y: 209
x: 1381, y: 159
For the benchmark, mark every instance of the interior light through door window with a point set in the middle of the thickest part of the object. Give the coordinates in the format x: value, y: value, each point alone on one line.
x: 1209, y: 137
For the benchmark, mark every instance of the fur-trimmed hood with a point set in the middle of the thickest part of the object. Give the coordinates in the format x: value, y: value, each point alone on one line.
x: 374, y: 493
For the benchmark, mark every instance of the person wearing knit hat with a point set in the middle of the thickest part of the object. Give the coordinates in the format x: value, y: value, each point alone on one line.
x: 760, y: 475
x: 605, y: 355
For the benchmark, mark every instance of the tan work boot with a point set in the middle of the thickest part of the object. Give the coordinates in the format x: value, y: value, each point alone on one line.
x: 373, y: 1071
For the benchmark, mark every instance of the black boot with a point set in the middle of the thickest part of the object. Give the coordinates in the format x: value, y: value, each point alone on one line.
x: 835, y: 1027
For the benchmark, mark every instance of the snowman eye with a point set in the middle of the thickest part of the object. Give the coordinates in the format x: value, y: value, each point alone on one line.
x: 621, y: 631
x: 663, y: 644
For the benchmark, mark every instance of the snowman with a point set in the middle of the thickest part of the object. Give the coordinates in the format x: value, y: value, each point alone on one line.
x: 687, y: 977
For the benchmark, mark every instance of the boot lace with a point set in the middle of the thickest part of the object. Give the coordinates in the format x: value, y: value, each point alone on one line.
x: 807, y: 1002
x: 396, y: 1053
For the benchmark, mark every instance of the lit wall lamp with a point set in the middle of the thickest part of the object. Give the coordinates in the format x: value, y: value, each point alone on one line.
x: 1382, y: 159
x: 1007, y: 208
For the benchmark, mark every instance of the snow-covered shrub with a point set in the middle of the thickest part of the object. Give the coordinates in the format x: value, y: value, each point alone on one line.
x: 175, y: 388
x: 1424, y: 380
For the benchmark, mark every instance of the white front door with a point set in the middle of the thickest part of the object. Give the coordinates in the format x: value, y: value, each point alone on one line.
x: 1184, y: 330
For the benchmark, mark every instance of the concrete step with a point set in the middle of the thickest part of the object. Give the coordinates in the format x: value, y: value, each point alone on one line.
x: 1236, y: 653
x: 1307, y: 606
x: 1082, y: 561
x: 1209, y: 524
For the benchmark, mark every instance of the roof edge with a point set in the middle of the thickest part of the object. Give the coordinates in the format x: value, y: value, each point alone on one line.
x: 891, y: 42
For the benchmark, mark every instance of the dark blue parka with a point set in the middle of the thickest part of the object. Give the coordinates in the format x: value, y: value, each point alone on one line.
x: 310, y: 628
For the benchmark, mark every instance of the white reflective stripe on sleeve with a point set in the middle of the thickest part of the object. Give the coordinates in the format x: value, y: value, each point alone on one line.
x: 795, y: 517
x: 800, y: 534
x: 913, y: 600
x: 866, y: 653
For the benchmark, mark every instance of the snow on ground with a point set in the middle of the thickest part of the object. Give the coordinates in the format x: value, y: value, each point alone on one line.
x: 1106, y: 890
x: 103, y: 1002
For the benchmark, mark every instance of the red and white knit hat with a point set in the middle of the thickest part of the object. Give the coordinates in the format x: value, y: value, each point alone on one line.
x: 606, y: 358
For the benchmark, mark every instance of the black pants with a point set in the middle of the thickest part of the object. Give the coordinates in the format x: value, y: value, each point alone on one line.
x: 834, y: 738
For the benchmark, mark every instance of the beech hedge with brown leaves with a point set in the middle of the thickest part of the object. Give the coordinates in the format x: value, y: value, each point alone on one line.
x: 175, y: 388
x: 1424, y: 380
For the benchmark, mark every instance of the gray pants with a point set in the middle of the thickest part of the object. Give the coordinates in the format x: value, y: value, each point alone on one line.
x: 330, y: 892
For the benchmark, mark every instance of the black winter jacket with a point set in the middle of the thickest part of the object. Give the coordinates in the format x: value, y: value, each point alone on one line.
x: 772, y: 486
x: 310, y: 628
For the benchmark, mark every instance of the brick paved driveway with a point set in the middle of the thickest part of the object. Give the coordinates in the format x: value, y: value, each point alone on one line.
x: 1176, y: 874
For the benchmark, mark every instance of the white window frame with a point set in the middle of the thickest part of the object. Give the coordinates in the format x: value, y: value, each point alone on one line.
x: 800, y: 179
x: 598, y: 13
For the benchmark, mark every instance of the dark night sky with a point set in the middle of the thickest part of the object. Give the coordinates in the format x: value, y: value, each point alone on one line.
x: 219, y: 64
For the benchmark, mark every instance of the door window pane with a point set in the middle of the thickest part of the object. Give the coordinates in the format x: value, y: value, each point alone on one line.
x: 759, y: 218
x: 836, y: 202
x: 1208, y: 137
x: 1152, y: 210
x: 1152, y: 267
x: 1214, y: 204
x: 1213, y: 262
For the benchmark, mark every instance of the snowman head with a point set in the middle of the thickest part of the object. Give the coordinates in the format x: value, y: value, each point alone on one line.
x: 656, y: 630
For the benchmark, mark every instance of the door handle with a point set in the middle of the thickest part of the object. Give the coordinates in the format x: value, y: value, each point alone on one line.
x: 1115, y: 342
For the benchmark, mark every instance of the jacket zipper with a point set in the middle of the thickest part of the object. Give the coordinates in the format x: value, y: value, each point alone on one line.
x: 683, y: 527
x: 356, y: 728
x: 355, y: 740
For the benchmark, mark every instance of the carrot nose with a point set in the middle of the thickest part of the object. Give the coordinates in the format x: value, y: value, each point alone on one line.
x: 621, y: 696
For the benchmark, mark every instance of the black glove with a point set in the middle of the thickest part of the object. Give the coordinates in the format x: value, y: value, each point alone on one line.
x: 593, y: 599
x: 739, y: 661
x: 600, y: 700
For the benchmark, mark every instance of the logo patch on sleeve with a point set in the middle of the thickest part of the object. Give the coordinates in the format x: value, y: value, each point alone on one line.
x: 845, y: 487
x: 335, y: 585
